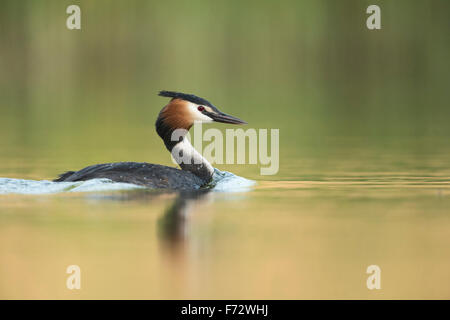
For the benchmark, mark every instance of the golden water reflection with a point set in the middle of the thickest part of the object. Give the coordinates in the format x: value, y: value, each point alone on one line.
x: 281, y: 240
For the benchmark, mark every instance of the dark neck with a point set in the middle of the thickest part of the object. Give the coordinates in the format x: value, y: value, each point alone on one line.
x: 165, y: 132
x: 184, y: 153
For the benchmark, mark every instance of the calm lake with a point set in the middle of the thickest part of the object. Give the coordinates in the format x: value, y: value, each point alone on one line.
x: 308, y: 233
x: 364, y: 150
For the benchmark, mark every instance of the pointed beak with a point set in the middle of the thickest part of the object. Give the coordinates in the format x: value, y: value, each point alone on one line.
x: 225, y: 118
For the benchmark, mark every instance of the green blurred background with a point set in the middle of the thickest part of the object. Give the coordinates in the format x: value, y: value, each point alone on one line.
x: 364, y: 148
x: 310, y: 68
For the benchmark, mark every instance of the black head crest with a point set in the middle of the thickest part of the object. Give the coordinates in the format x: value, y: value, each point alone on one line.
x: 185, y: 96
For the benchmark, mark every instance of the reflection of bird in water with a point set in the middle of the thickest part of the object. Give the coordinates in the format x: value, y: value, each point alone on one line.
x: 180, y: 113
x: 172, y: 226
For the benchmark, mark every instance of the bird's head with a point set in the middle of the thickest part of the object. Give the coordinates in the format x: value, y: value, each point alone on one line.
x: 185, y: 109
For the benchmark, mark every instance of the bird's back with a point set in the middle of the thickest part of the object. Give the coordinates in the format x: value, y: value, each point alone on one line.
x: 139, y: 173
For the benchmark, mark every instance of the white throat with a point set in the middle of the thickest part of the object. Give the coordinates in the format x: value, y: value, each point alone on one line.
x: 191, y: 160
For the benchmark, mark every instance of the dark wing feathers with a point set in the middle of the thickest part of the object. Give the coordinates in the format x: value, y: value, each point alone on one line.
x: 139, y: 173
x: 64, y: 176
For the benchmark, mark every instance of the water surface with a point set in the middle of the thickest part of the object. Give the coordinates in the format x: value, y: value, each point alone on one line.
x: 306, y: 234
x: 364, y: 130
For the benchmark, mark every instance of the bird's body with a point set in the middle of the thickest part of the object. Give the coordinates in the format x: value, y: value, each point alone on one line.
x: 149, y: 175
x: 196, y: 171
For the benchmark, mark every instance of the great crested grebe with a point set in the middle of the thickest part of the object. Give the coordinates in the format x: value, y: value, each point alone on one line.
x: 180, y: 113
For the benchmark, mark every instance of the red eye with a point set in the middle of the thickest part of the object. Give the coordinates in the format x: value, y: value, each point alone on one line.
x: 201, y: 108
